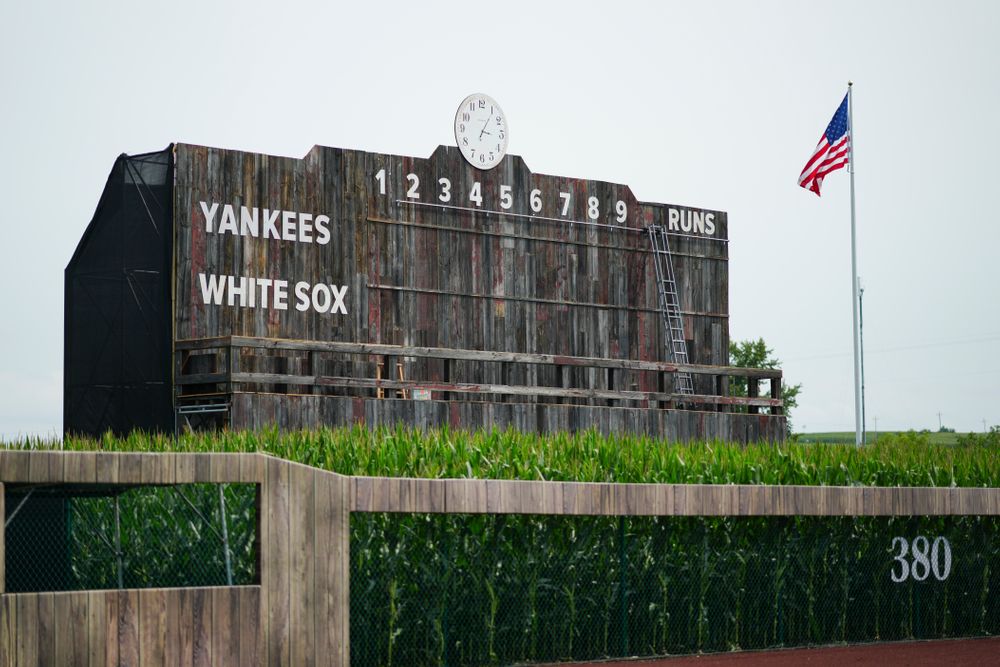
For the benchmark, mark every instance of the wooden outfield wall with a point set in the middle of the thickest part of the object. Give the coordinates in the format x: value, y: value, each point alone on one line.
x: 298, y: 614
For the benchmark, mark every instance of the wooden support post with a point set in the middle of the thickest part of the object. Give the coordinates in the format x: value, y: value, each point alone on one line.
x: 776, y: 394
x: 753, y: 391
x: 312, y: 359
x: 379, y: 391
x: 399, y: 372
x: 232, y: 366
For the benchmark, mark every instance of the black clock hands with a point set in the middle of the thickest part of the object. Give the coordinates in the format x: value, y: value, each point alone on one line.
x: 483, y: 131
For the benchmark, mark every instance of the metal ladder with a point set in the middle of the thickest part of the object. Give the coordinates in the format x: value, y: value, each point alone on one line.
x: 670, y: 307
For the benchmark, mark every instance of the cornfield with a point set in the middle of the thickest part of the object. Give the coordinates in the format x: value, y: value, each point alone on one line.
x: 904, y: 460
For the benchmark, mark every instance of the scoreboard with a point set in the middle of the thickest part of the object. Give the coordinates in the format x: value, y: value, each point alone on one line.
x: 325, y: 289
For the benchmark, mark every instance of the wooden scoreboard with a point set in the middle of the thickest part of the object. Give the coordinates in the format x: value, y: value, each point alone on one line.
x: 460, y: 289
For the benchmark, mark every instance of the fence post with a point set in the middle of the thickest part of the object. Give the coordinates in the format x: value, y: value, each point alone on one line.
x: 622, y: 585
x: 225, y: 536
x: 118, y: 543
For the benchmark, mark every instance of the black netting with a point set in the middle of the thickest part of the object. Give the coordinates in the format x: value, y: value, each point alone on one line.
x: 63, y: 538
x: 496, y: 590
x: 117, y: 305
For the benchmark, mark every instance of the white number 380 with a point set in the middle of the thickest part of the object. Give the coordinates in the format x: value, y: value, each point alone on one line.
x: 938, y: 561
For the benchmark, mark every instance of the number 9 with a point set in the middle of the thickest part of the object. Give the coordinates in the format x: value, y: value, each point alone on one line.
x: 621, y: 211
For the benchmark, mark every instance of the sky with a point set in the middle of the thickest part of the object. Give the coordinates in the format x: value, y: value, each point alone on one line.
x: 708, y: 104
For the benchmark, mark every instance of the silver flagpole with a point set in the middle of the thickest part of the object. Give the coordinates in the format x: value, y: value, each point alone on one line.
x: 854, y: 271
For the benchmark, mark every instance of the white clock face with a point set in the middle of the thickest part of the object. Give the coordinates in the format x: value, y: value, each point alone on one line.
x: 481, y: 131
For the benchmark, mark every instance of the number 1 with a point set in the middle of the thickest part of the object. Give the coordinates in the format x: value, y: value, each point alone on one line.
x: 380, y: 177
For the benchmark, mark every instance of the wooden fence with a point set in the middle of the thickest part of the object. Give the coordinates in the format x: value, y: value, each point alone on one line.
x: 298, y: 614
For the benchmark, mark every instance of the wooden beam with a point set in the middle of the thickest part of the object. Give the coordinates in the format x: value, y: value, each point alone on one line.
x: 515, y: 390
x: 469, y: 355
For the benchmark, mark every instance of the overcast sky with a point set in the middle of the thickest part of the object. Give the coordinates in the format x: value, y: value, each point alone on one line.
x: 716, y: 105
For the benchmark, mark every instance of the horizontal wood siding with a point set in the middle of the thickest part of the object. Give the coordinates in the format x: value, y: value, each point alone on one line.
x: 297, y: 411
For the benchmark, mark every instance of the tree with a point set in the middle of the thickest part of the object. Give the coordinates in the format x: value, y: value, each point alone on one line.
x: 756, y: 354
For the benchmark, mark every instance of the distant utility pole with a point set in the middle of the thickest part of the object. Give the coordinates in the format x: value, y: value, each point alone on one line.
x: 939, y: 421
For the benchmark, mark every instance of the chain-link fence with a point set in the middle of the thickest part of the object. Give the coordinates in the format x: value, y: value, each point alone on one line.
x: 62, y: 537
x: 431, y: 589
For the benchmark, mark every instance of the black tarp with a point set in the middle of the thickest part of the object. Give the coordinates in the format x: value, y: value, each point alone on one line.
x: 117, y: 339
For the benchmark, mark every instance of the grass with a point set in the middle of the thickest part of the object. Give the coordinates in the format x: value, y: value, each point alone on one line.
x: 847, y: 437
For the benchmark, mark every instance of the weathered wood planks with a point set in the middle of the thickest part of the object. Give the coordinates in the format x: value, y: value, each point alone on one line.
x: 465, y: 496
x: 134, y: 627
x: 259, y: 410
x: 474, y: 283
x: 300, y: 612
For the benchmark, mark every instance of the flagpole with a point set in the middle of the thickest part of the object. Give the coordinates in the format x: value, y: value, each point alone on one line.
x: 854, y: 271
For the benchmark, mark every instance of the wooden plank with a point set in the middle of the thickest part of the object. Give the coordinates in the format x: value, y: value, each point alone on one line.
x: 201, y: 627
x: 70, y: 621
x: 185, y: 627
x: 326, y: 532
x: 173, y: 626
x: 276, y: 563
x: 46, y: 629
x: 130, y: 468
x: 225, y: 639
x: 203, y: 468
x: 8, y: 630
x: 184, y: 469
x: 249, y: 629
x: 251, y: 468
x: 96, y: 625
x: 39, y: 470
x: 14, y: 465
x: 226, y: 468
x: 128, y: 627
x: 377, y: 349
x: 302, y: 562
x: 152, y: 608
x: 108, y: 466
x: 28, y: 629
x: 500, y: 389
x: 80, y: 467
x: 389, y: 494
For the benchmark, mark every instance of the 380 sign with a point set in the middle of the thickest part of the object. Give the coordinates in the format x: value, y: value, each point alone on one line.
x: 927, y: 558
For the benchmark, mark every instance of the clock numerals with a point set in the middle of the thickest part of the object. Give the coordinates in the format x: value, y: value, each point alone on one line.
x: 481, y: 131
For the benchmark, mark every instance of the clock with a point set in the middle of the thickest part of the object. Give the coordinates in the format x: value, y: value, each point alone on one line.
x: 481, y: 131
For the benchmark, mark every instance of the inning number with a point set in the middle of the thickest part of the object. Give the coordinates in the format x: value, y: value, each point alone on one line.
x: 928, y: 558
x: 412, y: 192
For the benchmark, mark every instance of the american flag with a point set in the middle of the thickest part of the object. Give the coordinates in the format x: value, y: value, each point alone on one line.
x: 831, y: 152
